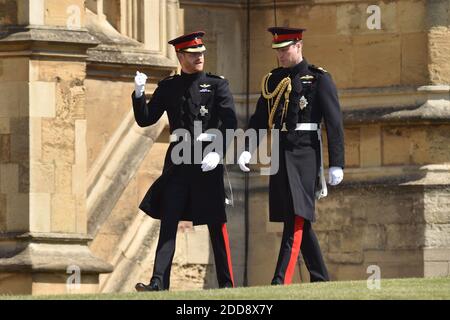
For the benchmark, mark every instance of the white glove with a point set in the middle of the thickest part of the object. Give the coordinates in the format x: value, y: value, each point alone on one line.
x: 139, y: 84
x: 205, y: 137
x: 335, y: 175
x: 210, y: 161
x: 244, y: 158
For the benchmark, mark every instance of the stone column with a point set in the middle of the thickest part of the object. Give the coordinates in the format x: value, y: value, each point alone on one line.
x: 43, y: 222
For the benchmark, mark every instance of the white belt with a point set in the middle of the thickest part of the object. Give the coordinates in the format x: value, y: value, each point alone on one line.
x: 205, y: 137
x: 303, y: 127
x: 307, y: 127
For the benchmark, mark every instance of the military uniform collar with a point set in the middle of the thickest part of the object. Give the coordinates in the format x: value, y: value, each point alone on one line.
x: 192, y: 76
x: 300, y: 68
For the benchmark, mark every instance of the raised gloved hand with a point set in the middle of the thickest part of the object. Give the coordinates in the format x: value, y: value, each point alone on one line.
x: 244, y: 158
x: 139, y: 84
x: 210, y: 161
x: 335, y: 175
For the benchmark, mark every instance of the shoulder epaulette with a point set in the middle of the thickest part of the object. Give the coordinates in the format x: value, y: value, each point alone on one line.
x: 319, y: 69
x: 209, y: 74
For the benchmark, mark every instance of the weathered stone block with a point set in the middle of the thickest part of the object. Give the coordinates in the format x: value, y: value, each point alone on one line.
x: 63, y: 178
x: 260, y: 207
x: 4, y: 126
x: 436, y: 269
x: 370, y: 146
x: 192, y: 277
x: 348, y: 239
x: 438, y: 137
x: 261, y: 247
x: 439, y: 48
x: 42, y: 177
x: 396, y: 263
x: 379, y: 256
x: 42, y: 99
x: 10, y: 99
x: 5, y: 148
x: 344, y: 272
x: 371, y: 51
x: 437, y: 236
x: 40, y: 212
x: 80, y: 143
x: 408, y: 9
x: 20, y: 150
x: 198, y: 249
x: 322, y: 237
x: 374, y: 237
x: 14, y: 69
x: 17, y: 283
x: 401, y: 144
x: 17, y: 208
x: 80, y: 207
x: 63, y: 213
x: 353, y: 145
x: 8, y: 15
x: 9, y: 175
x: 312, y: 17
x: 436, y: 254
x: 346, y: 258
x: 391, y: 208
x: 3, y: 216
x: 50, y: 71
x: 58, y: 142
x: 79, y: 183
x: 24, y: 177
x: 405, y: 236
x: 436, y: 206
x: 36, y: 139
x: 333, y: 213
x: 414, y: 62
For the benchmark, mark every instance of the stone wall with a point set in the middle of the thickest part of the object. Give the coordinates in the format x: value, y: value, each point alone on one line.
x: 44, y: 166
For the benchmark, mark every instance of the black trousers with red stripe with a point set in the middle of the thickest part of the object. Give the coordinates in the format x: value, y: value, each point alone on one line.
x: 172, y: 212
x: 298, y: 235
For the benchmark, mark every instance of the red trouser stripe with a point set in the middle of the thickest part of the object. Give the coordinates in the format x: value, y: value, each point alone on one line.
x: 298, y: 233
x: 227, y: 248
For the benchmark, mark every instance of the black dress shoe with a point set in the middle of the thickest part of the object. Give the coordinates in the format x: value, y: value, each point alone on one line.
x: 153, y: 286
x: 276, y: 282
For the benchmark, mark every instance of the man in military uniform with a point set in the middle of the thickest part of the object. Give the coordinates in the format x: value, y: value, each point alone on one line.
x: 188, y: 191
x: 295, y: 99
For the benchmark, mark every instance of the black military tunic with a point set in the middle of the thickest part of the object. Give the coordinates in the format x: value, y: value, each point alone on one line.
x: 313, y: 98
x: 182, y: 97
